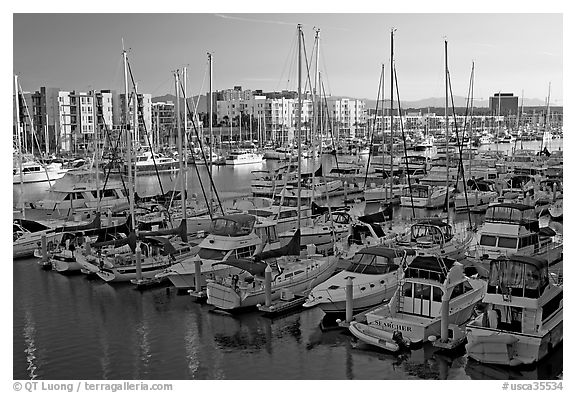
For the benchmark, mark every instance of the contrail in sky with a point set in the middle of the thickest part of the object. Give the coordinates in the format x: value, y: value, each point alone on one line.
x: 276, y: 22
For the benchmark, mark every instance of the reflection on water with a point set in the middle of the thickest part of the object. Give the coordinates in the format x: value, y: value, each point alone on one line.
x: 88, y: 329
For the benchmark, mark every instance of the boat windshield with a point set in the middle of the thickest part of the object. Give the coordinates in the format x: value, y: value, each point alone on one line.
x: 517, y: 278
x: 211, y: 254
x: 240, y: 225
x: 371, y: 264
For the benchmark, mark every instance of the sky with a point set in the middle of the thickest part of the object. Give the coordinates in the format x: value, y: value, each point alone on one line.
x: 512, y: 52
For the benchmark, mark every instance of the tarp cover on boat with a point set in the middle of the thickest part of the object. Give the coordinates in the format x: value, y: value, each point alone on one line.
x: 292, y: 248
x: 130, y: 240
x: 95, y: 224
x: 546, y: 231
x: 381, y: 216
x: 255, y: 268
x: 180, y: 231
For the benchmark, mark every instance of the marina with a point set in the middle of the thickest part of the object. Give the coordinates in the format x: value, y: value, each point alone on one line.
x: 176, y: 338
x: 287, y: 235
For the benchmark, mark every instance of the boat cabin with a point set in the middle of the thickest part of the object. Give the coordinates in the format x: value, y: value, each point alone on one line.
x: 376, y: 260
x: 431, y: 232
x: 425, y: 282
x: 511, y: 228
x: 516, y: 295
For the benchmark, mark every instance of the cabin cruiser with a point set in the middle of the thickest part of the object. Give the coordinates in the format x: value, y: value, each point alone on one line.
x: 433, y: 288
x: 241, y: 157
x: 324, y: 232
x: 512, y: 228
x: 148, y: 162
x: 290, y: 272
x: 27, y: 236
x: 430, y: 197
x: 33, y: 172
x: 479, y: 193
x: 231, y: 236
x: 78, y: 190
x: 375, y: 272
x: 523, y: 320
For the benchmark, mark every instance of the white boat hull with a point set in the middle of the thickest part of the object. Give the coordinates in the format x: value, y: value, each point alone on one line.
x: 494, y: 346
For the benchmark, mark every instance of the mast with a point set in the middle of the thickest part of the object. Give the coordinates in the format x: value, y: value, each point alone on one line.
x: 210, y: 123
x: 471, y: 121
x: 315, y: 111
x: 179, y: 145
x: 96, y: 158
x: 298, y: 125
x: 128, y: 140
x: 447, y: 132
x: 19, y: 138
x: 47, y: 137
x: 384, y: 187
x: 390, y: 176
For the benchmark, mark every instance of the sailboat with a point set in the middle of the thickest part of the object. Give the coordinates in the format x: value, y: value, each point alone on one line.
x: 292, y: 270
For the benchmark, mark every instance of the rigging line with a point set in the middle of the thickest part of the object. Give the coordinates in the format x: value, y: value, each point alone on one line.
x: 208, y: 203
x: 288, y: 61
x: 331, y: 128
x: 460, y: 164
x: 293, y: 62
x: 374, y: 129
x: 404, y: 140
x: 145, y: 131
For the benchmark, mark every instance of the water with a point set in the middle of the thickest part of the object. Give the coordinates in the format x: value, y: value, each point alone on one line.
x: 71, y: 327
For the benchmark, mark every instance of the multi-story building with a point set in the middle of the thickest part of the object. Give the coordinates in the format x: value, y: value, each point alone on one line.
x: 163, y: 123
x: 348, y: 116
x: 144, y: 112
x: 505, y: 104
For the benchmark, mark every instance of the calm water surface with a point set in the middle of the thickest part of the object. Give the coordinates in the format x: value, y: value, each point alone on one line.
x: 71, y: 327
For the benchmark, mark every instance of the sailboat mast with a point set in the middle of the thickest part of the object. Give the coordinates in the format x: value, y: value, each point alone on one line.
x: 128, y: 140
x: 390, y: 175
x: 19, y: 138
x: 447, y: 132
x: 298, y: 125
x: 96, y: 143
x: 210, y: 123
x: 471, y: 122
x: 179, y: 145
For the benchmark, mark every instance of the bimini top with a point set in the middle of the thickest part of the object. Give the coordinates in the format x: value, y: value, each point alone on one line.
x: 388, y: 253
x: 536, y: 262
x: 517, y: 206
x: 429, y: 267
x: 255, y: 268
x: 233, y: 225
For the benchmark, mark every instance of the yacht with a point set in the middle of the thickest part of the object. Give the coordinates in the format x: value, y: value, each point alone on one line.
x: 241, y: 157
x: 479, y: 193
x: 375, y: 272
x: 512, y: 228
x: 435, y: 236
x: 27, y: 236
x: 34, y: 172
x: 231, y: 236
x: 431, y: 285
x: 324, y: 232
x: 290, y: 274
x: 78, y: 190
x: 426, y: 196
x: 148, y: 162
x: 523, y: 320
x: 118, y: 264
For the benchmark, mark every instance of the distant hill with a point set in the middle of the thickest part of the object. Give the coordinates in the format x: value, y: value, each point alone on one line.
x: 433, y: 102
